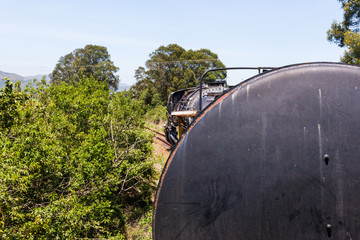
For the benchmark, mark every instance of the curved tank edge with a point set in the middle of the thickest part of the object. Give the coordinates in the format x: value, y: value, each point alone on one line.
x: 219, y: 100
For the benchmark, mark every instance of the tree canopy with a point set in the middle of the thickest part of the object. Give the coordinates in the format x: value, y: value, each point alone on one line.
x: 172, y: 68
x: 346, y: 33
x: 92, y: 60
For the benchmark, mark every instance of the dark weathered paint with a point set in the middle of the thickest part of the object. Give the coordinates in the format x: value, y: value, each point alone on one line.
x: 277, y: 157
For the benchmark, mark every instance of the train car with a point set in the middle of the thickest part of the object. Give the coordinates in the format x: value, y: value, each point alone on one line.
x: 275, y: 157
x: 183, y: 107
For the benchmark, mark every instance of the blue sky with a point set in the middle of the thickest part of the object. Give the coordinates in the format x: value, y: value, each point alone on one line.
x: 35, y: 34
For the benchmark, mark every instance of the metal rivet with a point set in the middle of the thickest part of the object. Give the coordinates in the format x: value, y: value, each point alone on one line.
x: 326, y: 159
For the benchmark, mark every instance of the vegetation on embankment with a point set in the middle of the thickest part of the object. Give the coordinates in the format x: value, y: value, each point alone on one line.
x: 76, y: 161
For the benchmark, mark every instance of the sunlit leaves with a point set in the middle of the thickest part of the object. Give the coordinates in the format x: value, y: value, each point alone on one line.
x: 172, y: 68
x: 92, y: 60
x: 346, y: 33
x: 73, y: 161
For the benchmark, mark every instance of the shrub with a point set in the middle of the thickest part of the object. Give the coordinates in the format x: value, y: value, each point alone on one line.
x: 73, y: 159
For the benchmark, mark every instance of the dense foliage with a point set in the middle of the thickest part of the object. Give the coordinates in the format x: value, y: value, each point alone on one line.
x: 74, y: 160
x: 172, y: 68
x: 92, y: 60
x: 346, y: 33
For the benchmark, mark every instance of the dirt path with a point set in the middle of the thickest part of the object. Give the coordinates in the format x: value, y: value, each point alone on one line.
x: 161, y: 149
x: 161, y: 154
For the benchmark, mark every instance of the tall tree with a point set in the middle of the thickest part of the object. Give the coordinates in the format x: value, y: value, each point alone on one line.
x: 346, y: 33
x: 92, y: 60
x: 171, y: 68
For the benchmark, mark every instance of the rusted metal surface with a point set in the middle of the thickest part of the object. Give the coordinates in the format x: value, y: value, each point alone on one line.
x: 277, y: 157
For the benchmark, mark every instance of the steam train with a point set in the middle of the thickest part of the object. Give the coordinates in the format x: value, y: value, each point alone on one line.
x: 275, y: 157
x: 184, y: 105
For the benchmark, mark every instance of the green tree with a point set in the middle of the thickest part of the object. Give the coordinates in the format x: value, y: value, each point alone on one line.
x: 89, y: 61
x: 346, y: 33
x: 172, y: 68
x: 75, y: 162
x: 9, y: 99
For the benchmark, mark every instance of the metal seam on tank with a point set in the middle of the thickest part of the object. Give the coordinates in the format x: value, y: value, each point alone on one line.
x: 264, y: 121
x: 322, y: 178
x: 233, y: 100
x: 220, y: 104
x: 320, y: 102
x: 247, y: 93
x: 305, y: 145
x: 233, y: 96
x: 320, y: 151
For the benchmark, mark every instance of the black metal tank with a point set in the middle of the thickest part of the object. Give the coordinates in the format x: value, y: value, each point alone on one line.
x: 277, y: 157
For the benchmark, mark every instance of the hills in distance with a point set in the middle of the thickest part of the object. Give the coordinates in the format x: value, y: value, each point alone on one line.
x: 16, y: 77
x: 25, y: 80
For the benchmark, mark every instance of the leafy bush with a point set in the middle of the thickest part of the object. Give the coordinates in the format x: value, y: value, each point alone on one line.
x: 156, y: 114
x: 73, y: 160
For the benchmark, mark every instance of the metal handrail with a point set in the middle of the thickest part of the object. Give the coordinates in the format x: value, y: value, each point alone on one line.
x: 227, y: 68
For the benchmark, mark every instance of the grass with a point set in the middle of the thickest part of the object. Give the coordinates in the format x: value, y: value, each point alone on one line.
x: 157, y: 116
x: 141, y: 230
x: 142, y: 227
